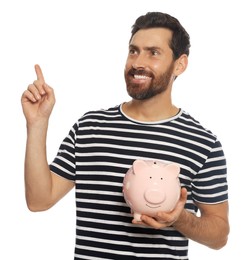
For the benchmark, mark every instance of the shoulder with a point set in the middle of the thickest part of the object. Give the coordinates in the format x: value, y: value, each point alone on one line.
x: 103, y: 112
x: 188, y: 124
x: 100, y: 115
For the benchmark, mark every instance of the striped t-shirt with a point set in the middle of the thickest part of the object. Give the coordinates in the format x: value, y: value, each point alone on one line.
x: 100, y: 148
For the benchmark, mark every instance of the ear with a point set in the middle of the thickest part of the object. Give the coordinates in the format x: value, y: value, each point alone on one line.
x: 180, y: 65
x: 139, y: 166
x: 173, y: 168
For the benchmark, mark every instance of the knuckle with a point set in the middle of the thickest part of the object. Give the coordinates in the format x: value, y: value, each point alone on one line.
x: 37, y: 83
x: 30, y: 87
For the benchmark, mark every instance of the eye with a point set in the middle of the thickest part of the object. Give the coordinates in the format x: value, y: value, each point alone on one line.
x: 154, y: 52
x: 132, y: 51
x: 161, y: 178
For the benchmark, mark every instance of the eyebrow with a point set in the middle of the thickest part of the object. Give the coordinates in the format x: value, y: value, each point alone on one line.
x: 145, y: 48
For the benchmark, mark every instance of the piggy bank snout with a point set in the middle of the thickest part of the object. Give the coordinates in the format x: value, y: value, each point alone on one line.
x: 154, y: 196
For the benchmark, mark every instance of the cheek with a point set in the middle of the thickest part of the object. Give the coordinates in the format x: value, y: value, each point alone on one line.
x: 126, y: 67
x: 158, y: 67
x: 128, y: 64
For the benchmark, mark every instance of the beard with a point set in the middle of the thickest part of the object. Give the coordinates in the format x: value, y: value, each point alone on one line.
x: 145, y: 91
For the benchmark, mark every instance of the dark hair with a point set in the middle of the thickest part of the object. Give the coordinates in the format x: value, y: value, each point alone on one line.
x: 180, y: 42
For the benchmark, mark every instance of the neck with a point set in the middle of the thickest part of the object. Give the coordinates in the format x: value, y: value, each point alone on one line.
x: 156, y: 108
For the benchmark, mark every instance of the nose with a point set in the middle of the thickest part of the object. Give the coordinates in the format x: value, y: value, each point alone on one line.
x: 154, y: 196
x: 139, y: 62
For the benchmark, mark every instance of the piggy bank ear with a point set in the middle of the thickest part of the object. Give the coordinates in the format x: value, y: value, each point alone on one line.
x: 173, y: 168
x: 139, y: 166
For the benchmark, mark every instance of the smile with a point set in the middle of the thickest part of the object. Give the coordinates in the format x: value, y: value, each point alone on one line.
x: 153, y: 207
x: 141, y: 77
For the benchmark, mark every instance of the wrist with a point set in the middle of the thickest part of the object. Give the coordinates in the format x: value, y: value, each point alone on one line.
x: 37, y: 124
x: 182, y: 219
x: 38, y: 128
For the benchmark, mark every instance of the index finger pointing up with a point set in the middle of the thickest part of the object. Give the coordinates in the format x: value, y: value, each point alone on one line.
x: 39, y: 73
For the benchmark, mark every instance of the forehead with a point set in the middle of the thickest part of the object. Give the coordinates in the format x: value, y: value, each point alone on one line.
x: 159, y: 37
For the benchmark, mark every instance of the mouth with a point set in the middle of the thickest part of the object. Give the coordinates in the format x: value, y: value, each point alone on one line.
x: 140, y: 75
x: 140, y: 79
x: 153, y: 207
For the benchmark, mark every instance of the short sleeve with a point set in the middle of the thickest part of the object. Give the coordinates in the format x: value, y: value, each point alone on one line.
x: 64, y: 163
x: 210, y: 184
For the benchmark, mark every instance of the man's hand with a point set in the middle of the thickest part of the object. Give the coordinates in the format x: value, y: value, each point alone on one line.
x: 38, y: 100
x: 165, y: 219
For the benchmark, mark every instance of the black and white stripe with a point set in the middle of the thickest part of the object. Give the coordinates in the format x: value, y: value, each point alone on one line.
x: 96, y: 154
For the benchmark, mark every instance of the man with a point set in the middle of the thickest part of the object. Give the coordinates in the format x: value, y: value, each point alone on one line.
x: 102, y: 145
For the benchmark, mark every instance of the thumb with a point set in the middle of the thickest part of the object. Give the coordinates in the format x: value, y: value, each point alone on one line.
x: 183, y: 195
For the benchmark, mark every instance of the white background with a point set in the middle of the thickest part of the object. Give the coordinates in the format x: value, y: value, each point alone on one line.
x: 82, y: 47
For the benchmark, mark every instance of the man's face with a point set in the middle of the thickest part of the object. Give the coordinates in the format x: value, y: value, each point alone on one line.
x: 149, y: 66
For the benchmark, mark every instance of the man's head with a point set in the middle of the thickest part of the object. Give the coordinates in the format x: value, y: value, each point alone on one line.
x: 180, y: 42
x: 158, y: 50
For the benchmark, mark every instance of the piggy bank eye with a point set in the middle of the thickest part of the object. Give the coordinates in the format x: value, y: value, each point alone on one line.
x: 161, y: 178
x: 150, y: 177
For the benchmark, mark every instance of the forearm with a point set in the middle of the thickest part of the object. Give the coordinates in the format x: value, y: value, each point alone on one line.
x: 211, y: 231
x: 38, y: 182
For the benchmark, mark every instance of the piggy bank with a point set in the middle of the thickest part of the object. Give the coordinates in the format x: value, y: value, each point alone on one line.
x: 151, y: 186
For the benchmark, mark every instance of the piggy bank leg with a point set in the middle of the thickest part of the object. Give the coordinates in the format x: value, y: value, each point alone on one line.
x: 137, y: 216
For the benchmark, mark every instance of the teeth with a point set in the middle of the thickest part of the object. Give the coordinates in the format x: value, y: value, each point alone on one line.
x: 140, y: 77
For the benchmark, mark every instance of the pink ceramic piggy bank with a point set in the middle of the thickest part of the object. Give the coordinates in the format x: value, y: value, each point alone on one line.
x: 151, y: 186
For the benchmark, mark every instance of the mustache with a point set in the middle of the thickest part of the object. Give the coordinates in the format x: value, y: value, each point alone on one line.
x: 140, y: 72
